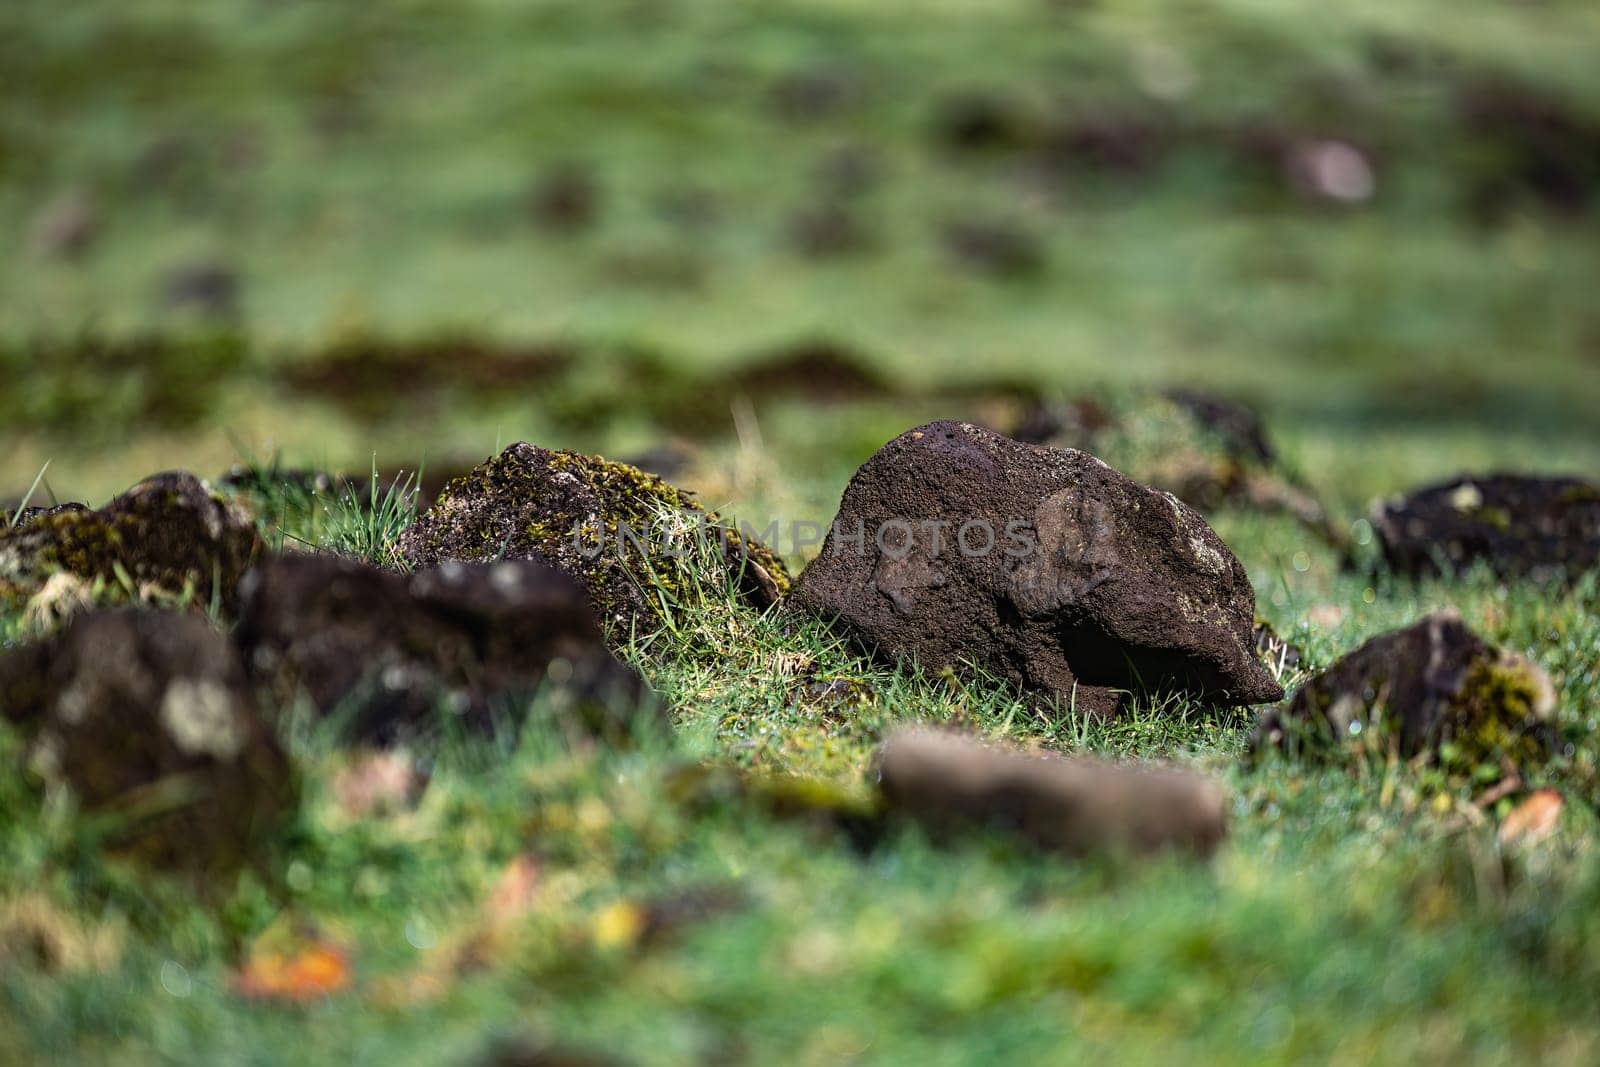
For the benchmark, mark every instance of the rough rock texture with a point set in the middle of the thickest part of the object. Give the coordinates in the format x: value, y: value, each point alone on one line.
x: 1434, y: 687
x: 148, y: 719
x: 166, y: 536
x: 1095, y: 585
x: 949, y: 783
x: 1539, y: 528
x: 395, y: 652
x: 16, y: 518
x: 576, y: 513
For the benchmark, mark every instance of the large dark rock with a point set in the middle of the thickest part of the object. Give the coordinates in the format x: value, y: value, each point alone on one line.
x: 148, y: 719
x: 1521, y: 526
x: 1093, y: 585
x: 949, y: 784
x: 167, y: 536
x: 1434, y: 687
x: 633, y: 541
x: 394, y: 656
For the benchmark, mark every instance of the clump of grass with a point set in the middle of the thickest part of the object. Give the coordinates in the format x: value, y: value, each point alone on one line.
x: 367, y: 524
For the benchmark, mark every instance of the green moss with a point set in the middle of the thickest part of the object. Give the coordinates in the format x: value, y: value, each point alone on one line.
x: 659, y: 551
x: 1500, y: 712
x: 166, y: 538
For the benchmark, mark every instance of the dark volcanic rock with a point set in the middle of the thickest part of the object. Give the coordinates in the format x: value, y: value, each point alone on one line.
x: 210, y: 289
x: 827, y: 231
x: 1237, y: 425
x: 630, y: 539
x: 533, y: 1052
x: 567, y: 199
x: 981, y: 121
x: 1044, y: 566
x: 949, y: 784
x: 1521, y: 526
x: 1432, y: 687
x: 394, y: 652
x: 146, y: 716
x: 167, y: 535
x: 1001, y: 249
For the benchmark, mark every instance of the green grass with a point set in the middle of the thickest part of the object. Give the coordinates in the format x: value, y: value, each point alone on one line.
x: 366, y: 172
x: 1360, y: 913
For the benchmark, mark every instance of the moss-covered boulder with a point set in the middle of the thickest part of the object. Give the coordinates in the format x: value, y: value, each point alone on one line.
x: 1434, y: 690
x: 642, y: 549
x: 167, y: 537
x: 1520, y: 526
x: 147, y: 719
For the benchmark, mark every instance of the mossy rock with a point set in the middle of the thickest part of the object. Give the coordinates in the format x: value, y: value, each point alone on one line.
x: 1545, y: 529
x: 148, y: 719
x: 1434, y: 690
x: 167, y: 537
x: 644, y: 550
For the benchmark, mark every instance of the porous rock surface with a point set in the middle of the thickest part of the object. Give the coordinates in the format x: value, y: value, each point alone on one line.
x: 396, y: 656
x: 601, y: 522
x: 168, y: 534
x: 147, y: 717
x: 1095, y: 585
x: 1520, y: 525
x: 948, y: 784
x: 1433, y: 687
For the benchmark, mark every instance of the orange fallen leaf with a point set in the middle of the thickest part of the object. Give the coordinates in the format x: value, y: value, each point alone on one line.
x: 1533, y: 820
x: 299, y: 976
x: 514, y: 892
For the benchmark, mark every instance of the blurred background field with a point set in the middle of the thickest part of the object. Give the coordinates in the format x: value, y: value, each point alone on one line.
x: 416, y: 229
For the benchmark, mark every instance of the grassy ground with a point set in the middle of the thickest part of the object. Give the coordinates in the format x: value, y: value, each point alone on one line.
x: 375, y: 181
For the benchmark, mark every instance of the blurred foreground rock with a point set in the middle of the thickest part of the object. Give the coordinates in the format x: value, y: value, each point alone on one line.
x: 147, y: 718
x: 954, y: 545
x: 1074, y: 806
x: 398, y: 656
x: 167, y: 536
x: 1434, y: 687
x: 640, y: 547
x: 1521, y: 526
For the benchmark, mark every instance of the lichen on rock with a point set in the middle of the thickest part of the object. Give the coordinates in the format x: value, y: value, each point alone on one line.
x: 636, y: 544
x: 167, y: 537
x: 1519, y: 526
x: 1433, y: 690
x: 147, y: 719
